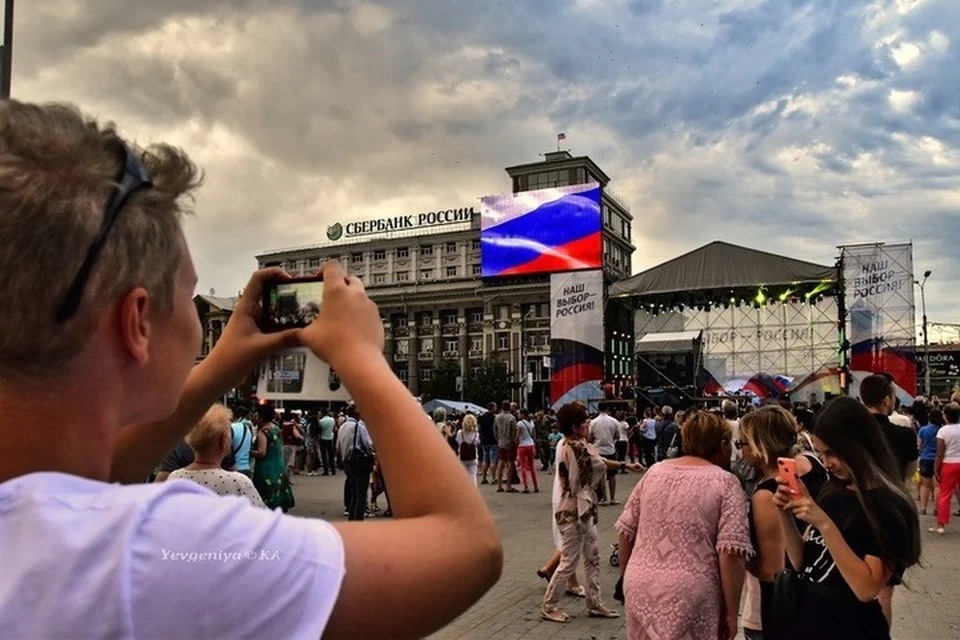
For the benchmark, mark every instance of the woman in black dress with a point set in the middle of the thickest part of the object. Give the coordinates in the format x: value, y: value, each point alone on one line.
x: 863, y: 529
x: 767, y: 434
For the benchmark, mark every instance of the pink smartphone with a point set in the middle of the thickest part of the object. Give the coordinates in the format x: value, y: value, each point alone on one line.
x: 788, y: 471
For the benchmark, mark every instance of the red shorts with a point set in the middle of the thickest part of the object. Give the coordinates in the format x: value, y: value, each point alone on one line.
x: 508, y: 455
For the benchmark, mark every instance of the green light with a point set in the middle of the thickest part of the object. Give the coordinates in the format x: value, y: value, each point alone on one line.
x: 761, y: 296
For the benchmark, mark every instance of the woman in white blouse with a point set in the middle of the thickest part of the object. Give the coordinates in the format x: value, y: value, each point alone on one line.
x: 211, y: 440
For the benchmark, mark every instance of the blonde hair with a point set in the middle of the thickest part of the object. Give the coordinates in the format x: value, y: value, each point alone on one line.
x: 57, y: 170
x: 208, y: 434
x: 469, y: 423
x: 771, y: 433
x: 703, y: 433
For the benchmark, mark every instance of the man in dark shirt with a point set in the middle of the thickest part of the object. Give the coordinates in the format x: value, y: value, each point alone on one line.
x: 488, y: 442
x: 878, y: 395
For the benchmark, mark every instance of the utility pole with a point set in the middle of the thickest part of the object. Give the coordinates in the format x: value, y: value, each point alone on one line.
x: 926, y: 339
x: 6, y: 55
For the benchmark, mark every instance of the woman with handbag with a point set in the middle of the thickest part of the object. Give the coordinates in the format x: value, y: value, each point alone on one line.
x: 767, y: 434
x: 270, y: 473
x: 862, y: 532
x: 684, y: 540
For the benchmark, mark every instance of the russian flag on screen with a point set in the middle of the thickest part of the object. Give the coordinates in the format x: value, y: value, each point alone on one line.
x: 542, y: 231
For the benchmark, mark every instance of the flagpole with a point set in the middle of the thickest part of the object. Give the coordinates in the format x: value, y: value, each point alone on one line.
x: 6, y: 55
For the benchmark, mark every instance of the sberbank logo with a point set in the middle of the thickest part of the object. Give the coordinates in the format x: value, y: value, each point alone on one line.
x: 335, y: 231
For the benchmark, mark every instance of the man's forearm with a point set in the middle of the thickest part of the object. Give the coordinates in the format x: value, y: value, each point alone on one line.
x: 138, y: 448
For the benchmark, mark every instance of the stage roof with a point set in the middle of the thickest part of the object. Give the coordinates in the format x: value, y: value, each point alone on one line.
x: 720, y: 265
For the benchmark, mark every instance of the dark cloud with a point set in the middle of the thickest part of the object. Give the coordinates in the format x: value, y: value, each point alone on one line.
x: 792, y: 126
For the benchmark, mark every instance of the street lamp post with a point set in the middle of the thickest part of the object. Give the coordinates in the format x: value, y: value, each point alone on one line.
x: 926, y: 339
x: 6, y: 55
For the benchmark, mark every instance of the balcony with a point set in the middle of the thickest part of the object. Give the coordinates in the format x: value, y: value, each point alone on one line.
x: 451, y: 354
x: 425, y: 356
x: 401, y: 357
x: 476, y: 353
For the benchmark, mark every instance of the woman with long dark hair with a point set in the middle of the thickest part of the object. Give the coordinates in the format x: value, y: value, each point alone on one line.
x: 863, y: 530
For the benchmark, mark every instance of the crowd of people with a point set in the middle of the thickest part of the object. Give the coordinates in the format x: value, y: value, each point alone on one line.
x: 785, y: 520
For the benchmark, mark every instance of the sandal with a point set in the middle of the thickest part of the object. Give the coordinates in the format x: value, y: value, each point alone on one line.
x: 554, y: 615
x: 579, y: 592
x: 602, y: 612
x: 544, y: 574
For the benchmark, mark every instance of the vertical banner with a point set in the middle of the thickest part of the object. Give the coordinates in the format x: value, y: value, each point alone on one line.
x: 576, y: 337
x: 880, y: 309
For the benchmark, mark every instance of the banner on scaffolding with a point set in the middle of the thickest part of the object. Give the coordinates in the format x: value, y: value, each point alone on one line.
x: 576, y: 337
x: 878, y: 279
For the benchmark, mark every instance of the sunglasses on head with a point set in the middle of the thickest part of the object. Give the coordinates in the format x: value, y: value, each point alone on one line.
x: 133, y: 177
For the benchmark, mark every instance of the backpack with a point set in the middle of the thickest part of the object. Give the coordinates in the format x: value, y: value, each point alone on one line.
x: 468, y: 450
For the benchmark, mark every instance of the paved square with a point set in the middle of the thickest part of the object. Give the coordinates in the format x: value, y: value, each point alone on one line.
x: 927, y: 608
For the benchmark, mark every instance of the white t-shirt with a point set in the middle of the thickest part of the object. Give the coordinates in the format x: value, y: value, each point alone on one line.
x: 525, y: 434
x: 623, y: 430
x: 735, y: 431
x: 604, y: 429
x: 95, y: 560
x: 222, y: 483
x: 950, y: 434
x: 901, y: 420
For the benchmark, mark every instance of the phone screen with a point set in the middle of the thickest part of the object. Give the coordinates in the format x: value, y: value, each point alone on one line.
x: 291, y: 304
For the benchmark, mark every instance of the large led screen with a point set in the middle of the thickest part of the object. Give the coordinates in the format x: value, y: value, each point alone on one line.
x: 543, y: 231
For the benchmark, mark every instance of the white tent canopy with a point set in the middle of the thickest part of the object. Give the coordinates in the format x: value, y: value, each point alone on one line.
x: 453, y: 405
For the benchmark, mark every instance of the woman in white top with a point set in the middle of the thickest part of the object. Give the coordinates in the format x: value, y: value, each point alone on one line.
x: 947, y: 464
x: 211, y: 440
x: 468, y: 443
x: 526, y: 451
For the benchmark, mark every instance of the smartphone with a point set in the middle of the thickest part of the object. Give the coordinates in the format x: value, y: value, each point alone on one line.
x: 290, y: 304
x: 788, y: 471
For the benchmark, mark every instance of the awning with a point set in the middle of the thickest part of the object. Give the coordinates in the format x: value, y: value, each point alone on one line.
x: 453, y: 405
x: 669, y: 342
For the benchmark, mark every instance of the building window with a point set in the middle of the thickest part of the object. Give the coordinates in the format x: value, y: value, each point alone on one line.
x: 403, y: 347
x: 474, y: 371
x: 426, y: 250
x: 474, y: 245
x: 426, y: 274
x: 400, y: 322
x: 356, y: 258
x: 379, y: 278
x: 450, y: 346
x: 476, y: 344
x: 403, y: 252
x: 314, y: 263
x: 476, y: 316
x: 451, y: 272
x: 448, y: 317
x: 451, y: 247
x: 426, y: 374
x: 503, y: 312
x: 401, y: 276
x: 424, y: 319
x: 403, y: 375
x: 476, y: 270
x: 379, y: 255
x: 503, y: 341
x: 426, y: 346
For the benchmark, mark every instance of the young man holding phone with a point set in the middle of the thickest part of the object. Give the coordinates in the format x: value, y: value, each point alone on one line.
x: 93, y: 254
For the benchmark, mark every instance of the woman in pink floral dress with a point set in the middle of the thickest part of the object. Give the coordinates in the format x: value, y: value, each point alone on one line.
x: 685, y: 539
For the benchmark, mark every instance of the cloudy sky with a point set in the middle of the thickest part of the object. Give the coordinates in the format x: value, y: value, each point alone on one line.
x: 787, y: 125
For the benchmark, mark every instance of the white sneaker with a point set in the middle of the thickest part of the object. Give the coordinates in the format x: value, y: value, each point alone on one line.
x: 938, y: 530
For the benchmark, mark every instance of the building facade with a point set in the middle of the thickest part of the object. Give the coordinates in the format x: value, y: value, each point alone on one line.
x: 435, y: 306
